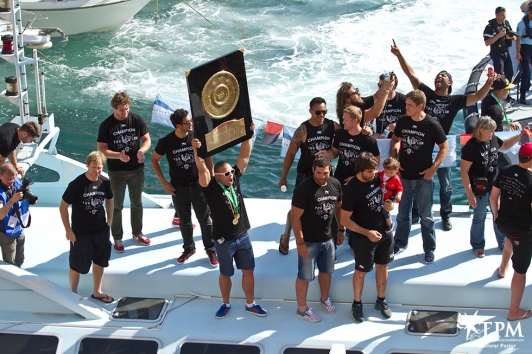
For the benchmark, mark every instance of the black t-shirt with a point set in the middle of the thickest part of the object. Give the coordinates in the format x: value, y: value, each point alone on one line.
x: 349, y: 147
x: 180, y: 156
x: 87, y: 199
x: 483, y: 155
x: 417, y: 144
x: 393, y: 109
x: 318, y: 138
x: 318, y: 203
x: 8, y: 138
x: 123, y: 135
x: 365, y: 200
x: 443, y: 108
x: 491, y: 108
x: 515, y: 184
x: 221, y: 210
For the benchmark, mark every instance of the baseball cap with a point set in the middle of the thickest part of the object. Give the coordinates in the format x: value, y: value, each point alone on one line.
x: 526, y: 150
x: 450, y: 79
x: 501, y: 84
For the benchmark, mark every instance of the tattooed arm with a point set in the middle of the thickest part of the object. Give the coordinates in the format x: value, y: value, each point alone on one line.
x: 300, y: 136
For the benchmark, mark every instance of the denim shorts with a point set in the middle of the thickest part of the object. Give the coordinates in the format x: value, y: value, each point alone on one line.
x: 240, y: 250
x: 320, y: 254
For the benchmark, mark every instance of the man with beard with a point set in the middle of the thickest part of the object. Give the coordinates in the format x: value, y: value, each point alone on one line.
x: 11, y: 134
x: 348, y: 95
x: 413, y: 140
x: 312, y: 136
x: 314, y: 203
x: 362, y: 213
x: 443, y: 107
x: 184, y: 185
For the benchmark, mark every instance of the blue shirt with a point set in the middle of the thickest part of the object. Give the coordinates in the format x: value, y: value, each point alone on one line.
x: 520, y: 31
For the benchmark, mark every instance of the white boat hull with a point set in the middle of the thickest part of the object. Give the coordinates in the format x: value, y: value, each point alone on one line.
x: 79, y: 16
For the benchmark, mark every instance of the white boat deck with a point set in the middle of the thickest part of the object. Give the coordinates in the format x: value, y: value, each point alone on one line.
x: 456, y: 281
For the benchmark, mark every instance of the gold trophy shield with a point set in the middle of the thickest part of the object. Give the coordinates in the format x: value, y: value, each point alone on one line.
x: 219, y: 100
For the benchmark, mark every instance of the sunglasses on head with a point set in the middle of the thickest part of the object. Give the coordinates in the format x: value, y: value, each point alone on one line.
x: 226, y: 173
x: 318, y: 112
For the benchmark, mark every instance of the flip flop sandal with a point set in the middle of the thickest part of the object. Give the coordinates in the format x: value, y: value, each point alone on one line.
x: 102, y: 298
x: 527, y: 314
x: 282, y: 249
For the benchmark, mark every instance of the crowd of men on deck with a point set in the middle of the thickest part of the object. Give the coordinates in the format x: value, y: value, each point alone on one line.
x: 354, y: 204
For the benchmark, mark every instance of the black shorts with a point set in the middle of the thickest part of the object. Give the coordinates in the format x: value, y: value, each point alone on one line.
x: 94, y: 248
x: 368, y: 253
x: 521, y: 245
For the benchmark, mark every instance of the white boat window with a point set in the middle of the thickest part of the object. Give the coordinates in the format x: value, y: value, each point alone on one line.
x: 11, y: 343
x: 117, y: 346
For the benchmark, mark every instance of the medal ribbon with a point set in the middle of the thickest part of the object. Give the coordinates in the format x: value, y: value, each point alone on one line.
x: 231, y: 196
x: 502, y: 108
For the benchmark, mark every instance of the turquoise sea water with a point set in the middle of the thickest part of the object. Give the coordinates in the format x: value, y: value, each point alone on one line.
x: 294, y: 50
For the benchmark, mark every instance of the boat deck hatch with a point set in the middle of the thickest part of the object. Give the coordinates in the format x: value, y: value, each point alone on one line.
x: 28, y: 343
x: 439, y: 323
x: 139, y: 308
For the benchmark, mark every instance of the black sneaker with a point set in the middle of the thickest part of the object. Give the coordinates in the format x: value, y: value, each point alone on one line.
x: 447, y: 226
x: 356, y: 311
x: 429, y: 257
x: 415, y: 218
x: 382, y: 306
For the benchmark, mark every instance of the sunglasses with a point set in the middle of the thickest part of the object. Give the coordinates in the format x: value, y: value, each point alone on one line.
x: 379, y: 85
x: 355, y: 92
x: 318, y: 112
x: 188, y: 122
x: 226, y: 173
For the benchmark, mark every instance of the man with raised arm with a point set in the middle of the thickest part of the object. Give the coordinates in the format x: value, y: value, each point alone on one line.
x: 89, y: 231
x: 123, y: 138
x: 230, y: 224
x: 443, y: 107
x: 362, y: 213
x: 184, y: 186
x: 311, y: 136
x: 348, y: 95
x: 413, y: 140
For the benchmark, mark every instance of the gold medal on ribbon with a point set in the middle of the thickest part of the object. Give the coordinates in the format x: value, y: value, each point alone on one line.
x: 235, y: 221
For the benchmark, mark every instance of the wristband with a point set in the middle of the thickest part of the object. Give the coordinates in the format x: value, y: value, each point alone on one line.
x: 299, y: 244
x: 342, y: 230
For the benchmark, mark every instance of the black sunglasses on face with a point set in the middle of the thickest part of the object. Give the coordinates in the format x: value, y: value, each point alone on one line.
x: 318, y: 112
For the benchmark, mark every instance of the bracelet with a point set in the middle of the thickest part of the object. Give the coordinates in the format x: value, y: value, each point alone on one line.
x: 299, y: 244
x: 342, y: 230
x: 387, y: 91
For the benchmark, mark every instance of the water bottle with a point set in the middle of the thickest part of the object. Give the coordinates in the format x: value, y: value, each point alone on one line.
x: 385, y: 132
x: 386, y: 76
x: 283, y: 188
x: 491, y: 72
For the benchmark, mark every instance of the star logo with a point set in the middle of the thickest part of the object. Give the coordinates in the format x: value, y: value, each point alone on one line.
x: 470, y: 326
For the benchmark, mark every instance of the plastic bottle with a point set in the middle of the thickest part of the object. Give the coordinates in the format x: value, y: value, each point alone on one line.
x: 386, y: 76
x: 385, y: 132
x: 491, y: 73
x: 283, y: 188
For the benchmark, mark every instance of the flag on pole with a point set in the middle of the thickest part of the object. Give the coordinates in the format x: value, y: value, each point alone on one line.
x: 271, y: 132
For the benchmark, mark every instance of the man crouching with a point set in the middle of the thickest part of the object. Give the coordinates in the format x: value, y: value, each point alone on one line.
x: 89, y: 232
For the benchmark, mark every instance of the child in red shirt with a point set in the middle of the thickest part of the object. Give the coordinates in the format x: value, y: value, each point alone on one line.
x: 391, y: 186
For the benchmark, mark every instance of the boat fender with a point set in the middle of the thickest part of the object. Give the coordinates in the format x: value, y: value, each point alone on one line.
x: 45, y: 45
